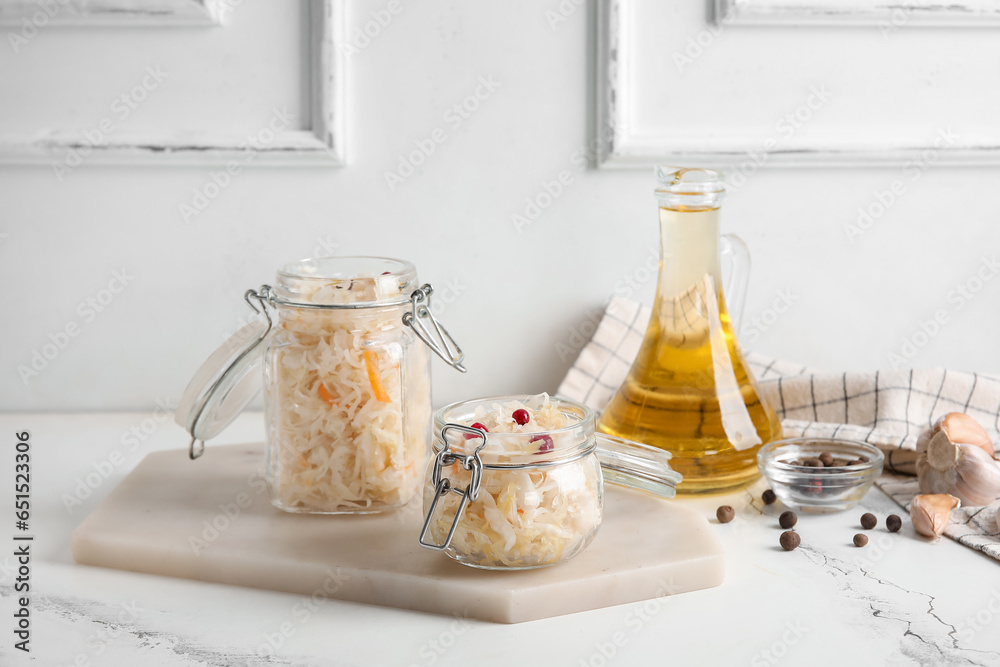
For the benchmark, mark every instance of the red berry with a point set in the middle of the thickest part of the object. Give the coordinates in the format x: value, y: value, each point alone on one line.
x: 521, y: 416
x: 469, y: 436
x: 547, y: 444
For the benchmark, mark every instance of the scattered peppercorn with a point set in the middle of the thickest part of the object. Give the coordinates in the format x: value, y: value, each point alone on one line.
x: 768, y: 497
x: 868, y: 521
x: 860, y: 540
x: 521, y: 416
x: 825, y: 460
x: 787, y: 519
x: 893, y: 523
x: 789, y: 540
x: 725, y: 514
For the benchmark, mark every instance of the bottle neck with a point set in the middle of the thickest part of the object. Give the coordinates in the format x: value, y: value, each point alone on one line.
x: 689, y: 251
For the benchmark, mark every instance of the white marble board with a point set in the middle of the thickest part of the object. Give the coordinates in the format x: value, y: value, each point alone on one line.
x: 211, y: 520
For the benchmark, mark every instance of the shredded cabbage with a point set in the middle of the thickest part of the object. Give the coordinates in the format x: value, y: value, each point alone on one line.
x: 523, y: 518
x: 349, y: 405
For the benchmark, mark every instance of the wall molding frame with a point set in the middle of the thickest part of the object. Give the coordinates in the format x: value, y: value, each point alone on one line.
x: 954, y: 13
x: 113, y: 13
x: 322, y: 143
x: 619, y: 147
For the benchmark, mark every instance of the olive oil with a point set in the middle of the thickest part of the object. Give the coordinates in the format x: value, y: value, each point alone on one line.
x: 689, y: 390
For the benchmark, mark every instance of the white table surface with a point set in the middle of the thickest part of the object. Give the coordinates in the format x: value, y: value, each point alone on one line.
x: 902, y: 600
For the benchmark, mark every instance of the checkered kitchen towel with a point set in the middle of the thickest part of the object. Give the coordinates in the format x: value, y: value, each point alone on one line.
x: 888, y: 409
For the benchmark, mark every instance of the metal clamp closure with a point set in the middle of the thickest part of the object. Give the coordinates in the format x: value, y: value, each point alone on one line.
x: 443, y: 486
x: 263, y: 295
x: 440, y: 341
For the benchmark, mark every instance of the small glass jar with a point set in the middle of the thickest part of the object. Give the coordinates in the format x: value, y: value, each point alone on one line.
x: 347, y: 383
x: 531, y: 498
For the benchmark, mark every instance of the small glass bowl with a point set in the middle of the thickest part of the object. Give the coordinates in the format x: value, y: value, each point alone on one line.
x: 813, y: 489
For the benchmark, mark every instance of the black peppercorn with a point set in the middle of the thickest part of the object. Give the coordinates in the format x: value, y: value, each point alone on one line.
x: 893, y: 523
x: 789, y: 540
x: 725, y: 514
x: 868, y: 521
x: 768, y: 497
x: 787, y: 519
x: 860, y: 540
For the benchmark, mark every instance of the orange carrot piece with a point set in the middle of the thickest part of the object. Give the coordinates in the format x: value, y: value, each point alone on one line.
x: 371, y: 362
x: 325, y: 394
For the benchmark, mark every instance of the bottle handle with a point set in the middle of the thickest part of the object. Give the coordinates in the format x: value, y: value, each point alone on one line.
x: 735, y: 291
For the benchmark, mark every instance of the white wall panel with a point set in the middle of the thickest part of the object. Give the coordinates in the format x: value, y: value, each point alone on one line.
x: 520, y: 295
x: 676, y: 86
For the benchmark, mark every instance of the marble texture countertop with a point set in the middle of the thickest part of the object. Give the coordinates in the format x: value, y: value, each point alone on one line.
x: 902, y: 600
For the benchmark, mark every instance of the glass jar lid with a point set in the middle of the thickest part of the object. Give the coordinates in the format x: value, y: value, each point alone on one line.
x: 345, y: 282
x: 223, y: 386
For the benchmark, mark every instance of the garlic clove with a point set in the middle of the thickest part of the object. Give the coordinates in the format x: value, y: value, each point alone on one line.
x: 961, y: 428
x: 942, y: 451
x: 956, y: 457
x: 935, y: 481
x: 978, y: 477
x: 931, y: 513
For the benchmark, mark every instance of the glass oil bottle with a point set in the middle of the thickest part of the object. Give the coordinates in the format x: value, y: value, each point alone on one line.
x: 690, y: 390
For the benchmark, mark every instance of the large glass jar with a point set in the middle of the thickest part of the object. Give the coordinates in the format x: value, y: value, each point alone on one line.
x: 347, y: 388
x: 346, y: 383
x: 516, y: 482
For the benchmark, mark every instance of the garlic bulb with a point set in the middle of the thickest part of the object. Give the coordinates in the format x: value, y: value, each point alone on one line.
x: 956, y: 457
x: 931, y: 514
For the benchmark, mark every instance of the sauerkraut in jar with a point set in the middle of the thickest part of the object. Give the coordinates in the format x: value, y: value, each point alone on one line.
x: 347, y: 387
x: 539, y: 499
